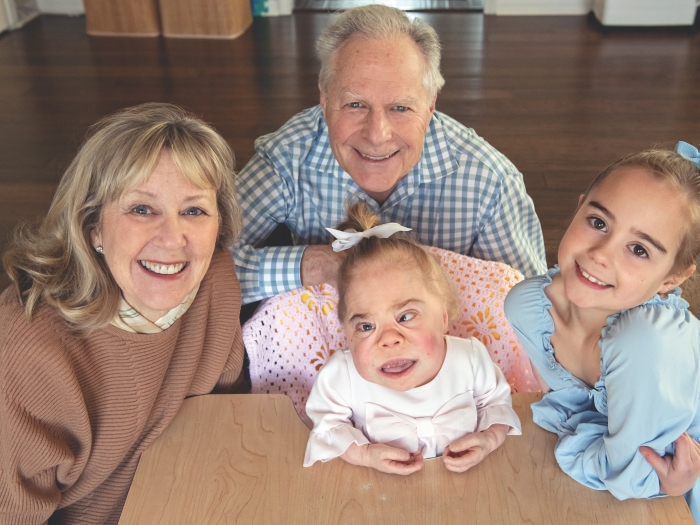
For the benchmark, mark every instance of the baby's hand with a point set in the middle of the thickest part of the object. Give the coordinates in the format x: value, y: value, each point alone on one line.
x: 384, y: 458
x: 464, y: 453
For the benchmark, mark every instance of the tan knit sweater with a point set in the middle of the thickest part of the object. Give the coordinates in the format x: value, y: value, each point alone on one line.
x: 76, y: 413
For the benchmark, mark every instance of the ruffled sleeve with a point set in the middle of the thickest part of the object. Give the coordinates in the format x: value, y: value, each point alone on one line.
x: 491, y: 393
x: 649, y: 368
x: 330, y: 410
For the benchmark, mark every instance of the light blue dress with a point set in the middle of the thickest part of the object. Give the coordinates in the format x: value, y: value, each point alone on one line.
x: 648, y: 392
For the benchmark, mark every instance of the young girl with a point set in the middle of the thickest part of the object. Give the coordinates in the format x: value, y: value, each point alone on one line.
x: 404, y: 390
x: 614, y: 344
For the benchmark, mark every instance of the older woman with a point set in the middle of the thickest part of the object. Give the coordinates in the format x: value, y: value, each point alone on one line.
x: 122, y: 306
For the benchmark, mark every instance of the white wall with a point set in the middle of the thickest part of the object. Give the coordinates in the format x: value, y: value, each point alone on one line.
x: 62, y: 7
x: 537, y: 7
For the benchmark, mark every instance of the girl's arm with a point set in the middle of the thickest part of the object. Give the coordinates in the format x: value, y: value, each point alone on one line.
x: 650, y: 366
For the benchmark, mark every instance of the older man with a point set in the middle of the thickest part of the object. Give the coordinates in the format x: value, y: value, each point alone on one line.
x: 376, y: 136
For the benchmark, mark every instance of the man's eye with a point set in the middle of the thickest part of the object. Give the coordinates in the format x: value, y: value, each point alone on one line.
x: 355, y: 105
x: 639, y: 251
x: 406, y: 317
x: 401, y: 109
x: 598, y: 223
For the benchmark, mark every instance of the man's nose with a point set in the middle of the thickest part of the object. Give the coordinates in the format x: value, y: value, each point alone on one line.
x: 377, y: 128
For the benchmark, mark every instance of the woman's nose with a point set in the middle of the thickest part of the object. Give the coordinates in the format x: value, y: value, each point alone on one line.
x: 172, y: 232
x: 377, y: 128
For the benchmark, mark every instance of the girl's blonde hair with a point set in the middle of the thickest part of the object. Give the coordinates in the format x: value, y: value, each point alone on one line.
x: 684, y: 176
x: 56, y: 262
x: 401, y: 250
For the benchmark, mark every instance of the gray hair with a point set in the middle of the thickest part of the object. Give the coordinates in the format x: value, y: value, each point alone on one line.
x: 379, y: 22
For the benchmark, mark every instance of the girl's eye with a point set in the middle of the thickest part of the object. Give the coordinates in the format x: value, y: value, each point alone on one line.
x: 598, y: 223
x: 194, y: 211
x: 140, y: 210
x: 406, y: 317
x: 639, y: 251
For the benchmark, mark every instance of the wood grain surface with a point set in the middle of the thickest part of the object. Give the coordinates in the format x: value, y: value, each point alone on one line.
x: 237, y: 459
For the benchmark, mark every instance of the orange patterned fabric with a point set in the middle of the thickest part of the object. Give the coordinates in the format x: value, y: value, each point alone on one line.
x: 292, y: 335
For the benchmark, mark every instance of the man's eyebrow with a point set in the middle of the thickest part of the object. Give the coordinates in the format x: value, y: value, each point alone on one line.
x: 645, y: 236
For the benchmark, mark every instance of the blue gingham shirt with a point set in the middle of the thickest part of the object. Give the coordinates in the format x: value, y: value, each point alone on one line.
x: 462, y: 196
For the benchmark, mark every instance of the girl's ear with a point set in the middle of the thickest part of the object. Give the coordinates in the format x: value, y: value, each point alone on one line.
x: 580, y: 200
x: 677, y: 279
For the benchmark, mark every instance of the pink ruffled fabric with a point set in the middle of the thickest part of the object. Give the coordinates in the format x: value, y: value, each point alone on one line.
x: 291, y: 335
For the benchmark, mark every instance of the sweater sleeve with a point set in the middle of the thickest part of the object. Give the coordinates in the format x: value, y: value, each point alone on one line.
x: 44, y: 427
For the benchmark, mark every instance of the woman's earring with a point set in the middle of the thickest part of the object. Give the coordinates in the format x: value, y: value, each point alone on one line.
x: 99, y: 249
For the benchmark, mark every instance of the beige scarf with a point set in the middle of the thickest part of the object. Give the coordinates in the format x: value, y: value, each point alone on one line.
x: 130, y: 320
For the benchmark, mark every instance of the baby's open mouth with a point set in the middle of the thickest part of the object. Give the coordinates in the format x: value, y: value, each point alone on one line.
x: 163, y: 269
x: 397, y: 366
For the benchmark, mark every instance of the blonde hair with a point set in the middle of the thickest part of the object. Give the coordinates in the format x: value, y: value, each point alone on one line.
x: 400, y: 249
x: 380, y: 22
x: 683, y: 175
x: 56, y: 262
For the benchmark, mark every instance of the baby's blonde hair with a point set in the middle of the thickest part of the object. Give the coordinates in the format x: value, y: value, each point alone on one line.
x: 400, y: 249
x: 683, y: 175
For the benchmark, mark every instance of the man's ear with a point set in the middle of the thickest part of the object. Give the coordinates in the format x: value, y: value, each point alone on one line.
x: 322, y: 98
x: 677, y: 279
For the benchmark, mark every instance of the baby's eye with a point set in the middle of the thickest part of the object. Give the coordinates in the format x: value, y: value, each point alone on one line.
x: 365, y: 327
x: 194, y: 211
x: 639, y: 251
x: 406, y: 317
x: 598, y: 223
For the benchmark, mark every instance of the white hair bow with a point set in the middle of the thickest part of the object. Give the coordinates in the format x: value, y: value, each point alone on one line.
x: 350, y: 238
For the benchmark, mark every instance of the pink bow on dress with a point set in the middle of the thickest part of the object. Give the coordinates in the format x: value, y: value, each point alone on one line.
x: 430, y: 435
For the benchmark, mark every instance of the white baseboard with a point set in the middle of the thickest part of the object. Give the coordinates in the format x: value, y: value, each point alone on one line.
x: 537, y: 7
x: 61, y: 7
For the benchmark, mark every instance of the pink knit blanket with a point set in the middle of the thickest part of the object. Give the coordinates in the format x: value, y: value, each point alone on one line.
x: 291, y: 335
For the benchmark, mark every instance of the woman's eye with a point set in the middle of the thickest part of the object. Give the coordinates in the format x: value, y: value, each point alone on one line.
x: 140, y: 210
x: 598, y: 223
x: 194, y: 211
x: 406, y: 317
x: 639, y: 251
x: 401, y: 109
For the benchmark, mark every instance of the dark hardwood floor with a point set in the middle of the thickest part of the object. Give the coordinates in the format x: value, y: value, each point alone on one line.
x: 557, y: 95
